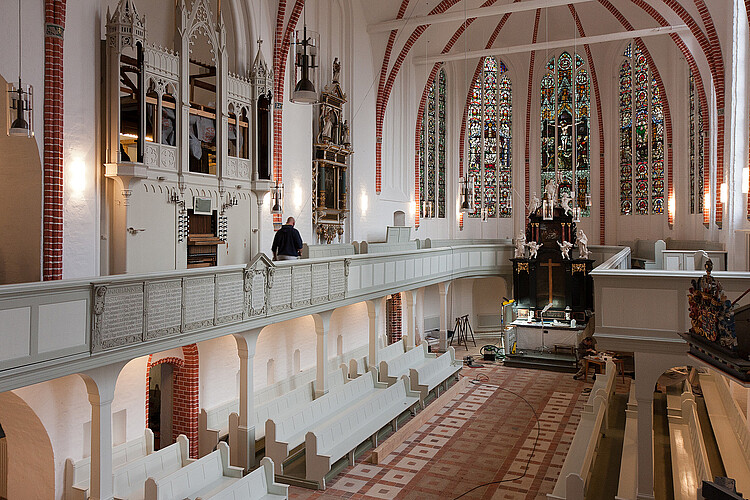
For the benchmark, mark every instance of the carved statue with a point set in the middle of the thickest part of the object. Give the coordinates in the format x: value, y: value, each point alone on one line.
x: 565, y: 200
x: 533, y: 248
x: 336, y: 69
x: 345, y: 133
x: 565, y: 247
x: 534, y: 204
x: 520, y: 246
x: 325, y: 131
x: 550, y: 191
x: 583, y: 244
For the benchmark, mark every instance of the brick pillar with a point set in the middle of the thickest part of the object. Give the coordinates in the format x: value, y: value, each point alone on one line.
x: 394, y: 318
x: 53, y: 139
x: 185, y: 407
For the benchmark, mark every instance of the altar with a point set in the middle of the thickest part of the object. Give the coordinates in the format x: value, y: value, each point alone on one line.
x: 534, y: 336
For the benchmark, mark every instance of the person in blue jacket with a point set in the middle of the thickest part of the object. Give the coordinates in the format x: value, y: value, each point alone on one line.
x: 287, y: 244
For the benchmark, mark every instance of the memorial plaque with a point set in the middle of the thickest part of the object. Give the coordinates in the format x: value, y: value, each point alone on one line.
x: 230, y: 298
x: 301, y: 285
x: 199, y: 302
x: 122, y: 317
x: 280, y: 294
x: 337, y: 281
x: 164, y: 306
x: 319, y: 283
x: 258, y: 290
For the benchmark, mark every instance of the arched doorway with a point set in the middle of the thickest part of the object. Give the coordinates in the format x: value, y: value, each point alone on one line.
x: 29, y: 468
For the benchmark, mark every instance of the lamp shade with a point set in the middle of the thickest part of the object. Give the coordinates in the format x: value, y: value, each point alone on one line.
x: 20, y: 110
x: 305, y: 71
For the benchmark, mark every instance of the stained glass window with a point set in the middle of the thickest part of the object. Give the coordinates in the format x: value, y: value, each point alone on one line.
x: 641, y: 136
x: 696, y: 149
x: 489, y: 136
x: 432, y: 193
x: 565, y: 98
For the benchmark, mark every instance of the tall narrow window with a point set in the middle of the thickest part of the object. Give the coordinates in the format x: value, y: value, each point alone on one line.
x: 489, y: 136
x: 432, y: 151
x: 565, y: 127
x: 696, y: 149
x: 641, y: 136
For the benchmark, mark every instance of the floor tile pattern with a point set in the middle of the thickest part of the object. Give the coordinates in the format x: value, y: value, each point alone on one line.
x: 487, y: 433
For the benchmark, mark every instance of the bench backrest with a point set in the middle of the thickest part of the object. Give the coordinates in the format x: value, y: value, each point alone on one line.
x: 326, y: 405
x: 392, y: 351
x: 400, y: 364
x: 342, y: 428
x: 191, y: 478
x: 435, y: 366
x: 218, y: 417
x: 283, y: 404
x: 251, y: 487
x: 133, y: 475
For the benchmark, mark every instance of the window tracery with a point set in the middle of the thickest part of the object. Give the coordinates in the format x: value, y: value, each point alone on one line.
x: 432, y: 151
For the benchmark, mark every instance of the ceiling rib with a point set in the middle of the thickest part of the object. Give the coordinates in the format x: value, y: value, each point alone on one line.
x: 555, y: 44
x: 460, y: 15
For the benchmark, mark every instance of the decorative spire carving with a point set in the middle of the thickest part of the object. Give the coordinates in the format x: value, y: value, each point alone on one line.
x: 125, y: 27
x: 260, y: 76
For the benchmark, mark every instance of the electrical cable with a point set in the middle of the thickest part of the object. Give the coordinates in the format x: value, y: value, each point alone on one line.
x: 476, y: 380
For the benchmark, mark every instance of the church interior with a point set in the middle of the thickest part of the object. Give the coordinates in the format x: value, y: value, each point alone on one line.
x: 524, y: 266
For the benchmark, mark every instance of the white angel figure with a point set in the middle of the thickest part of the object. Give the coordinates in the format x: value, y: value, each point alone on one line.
x: 534, y: 204
x: 565, y: 247
x: 520, y: 246
x: 565, y: 200
x: 533, y: 248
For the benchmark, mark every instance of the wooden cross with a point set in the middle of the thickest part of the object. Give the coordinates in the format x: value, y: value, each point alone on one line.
x: 549, y: 265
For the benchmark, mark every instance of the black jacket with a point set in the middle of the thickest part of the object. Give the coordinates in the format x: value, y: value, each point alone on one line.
x: 287, y: 241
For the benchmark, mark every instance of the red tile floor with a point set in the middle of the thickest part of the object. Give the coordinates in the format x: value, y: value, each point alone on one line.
x: 487, y: 433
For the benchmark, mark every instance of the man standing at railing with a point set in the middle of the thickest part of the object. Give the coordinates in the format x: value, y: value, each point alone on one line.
x: 287, y: 244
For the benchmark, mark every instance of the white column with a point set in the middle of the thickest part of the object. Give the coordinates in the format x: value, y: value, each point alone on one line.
x: 443, y: 291
x: 245, y: 438
x: 419, y: 314
x: 410, y: 298
x: 375, y: 316
x: 322, y: 324
x: 100, y: 385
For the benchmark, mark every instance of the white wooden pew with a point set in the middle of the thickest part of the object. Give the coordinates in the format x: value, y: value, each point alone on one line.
x: 286, y: 433
x: 730, y: 429
x: 78, y: 472
x: 340, y: 436
x: 627, y: 487
x: 574, y: 476
x: 258, y: 485
x: 358, y: 366
x: 129, y: 481
x: 689, y: 459
x: 434, y: 374
x: 213, y: 424
x: 204, y: 477
x: 390, y: 371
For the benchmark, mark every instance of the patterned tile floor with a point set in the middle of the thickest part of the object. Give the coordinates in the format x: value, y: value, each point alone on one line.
x: 485, y: 434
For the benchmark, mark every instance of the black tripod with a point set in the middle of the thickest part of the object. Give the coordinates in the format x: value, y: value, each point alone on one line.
x: 461, y: 332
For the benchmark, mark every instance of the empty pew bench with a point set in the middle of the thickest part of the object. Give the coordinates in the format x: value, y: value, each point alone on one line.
x: 434, y: 373
x: 129, y: 481
x: 204, y: 477
x: 213, y: 425
x: 340, y: 436
x: 258, y: 485
x: 393, y: 369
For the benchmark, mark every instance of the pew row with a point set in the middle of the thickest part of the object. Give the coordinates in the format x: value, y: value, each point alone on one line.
x: 689, y: 458
x: 576, y: 470
x: 434, y: 374
x: 286, y: 434
x: 341, y: 435
x: 258, y: 485
x: 78, y: 472
x: 204, y: 477
x: 391, y: 370
x: 129, y: 480
x: 730, y: 428
x: 627, y: 487
x: 213, y: 425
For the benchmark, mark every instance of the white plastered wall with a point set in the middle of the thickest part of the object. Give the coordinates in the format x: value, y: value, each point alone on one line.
x: 352, y: 323
x: 278, y: 342
x: 219, y: 364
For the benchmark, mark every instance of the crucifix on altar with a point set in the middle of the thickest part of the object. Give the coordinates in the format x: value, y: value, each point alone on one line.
x: 550, y: 265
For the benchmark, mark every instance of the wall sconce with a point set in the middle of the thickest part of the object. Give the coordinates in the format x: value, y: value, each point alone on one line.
x: 231, y: 202
x: 182, y: 225
x: 305, y: 47
x: 577, y: 214
x: 466, y: 198
x: 427, y: 209
x: 277, y: 198
x: 20, y: 99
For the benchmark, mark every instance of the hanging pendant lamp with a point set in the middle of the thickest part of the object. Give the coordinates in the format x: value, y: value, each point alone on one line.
x: 305, y: 73
x: 20, y: 99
